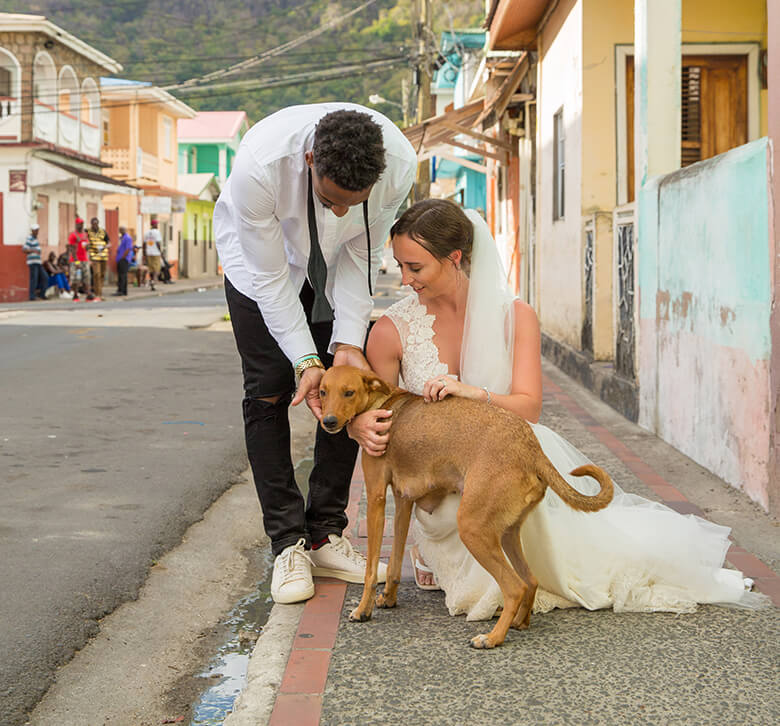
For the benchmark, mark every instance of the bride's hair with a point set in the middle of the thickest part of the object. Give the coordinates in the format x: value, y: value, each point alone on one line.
x: 440, y: 226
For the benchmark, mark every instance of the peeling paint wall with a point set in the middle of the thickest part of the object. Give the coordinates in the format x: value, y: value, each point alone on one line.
x: 705, y: 291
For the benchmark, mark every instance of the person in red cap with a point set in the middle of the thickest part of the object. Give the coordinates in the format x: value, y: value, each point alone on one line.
x: 153, y: 252
x: 79, y: 261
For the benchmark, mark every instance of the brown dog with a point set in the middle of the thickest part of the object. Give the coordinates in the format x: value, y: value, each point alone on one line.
x: 487, y: 454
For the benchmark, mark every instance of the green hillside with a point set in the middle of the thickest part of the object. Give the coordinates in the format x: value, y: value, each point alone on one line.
x: 176, y: 40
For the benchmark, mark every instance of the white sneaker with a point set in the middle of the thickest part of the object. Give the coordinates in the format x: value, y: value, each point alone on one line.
x: 291, y: 581
x: 338, y: 559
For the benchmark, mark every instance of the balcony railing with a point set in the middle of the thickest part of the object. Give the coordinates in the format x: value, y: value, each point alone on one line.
x: 119, y: 158
x: 144, y: 167
x: 10, y: 119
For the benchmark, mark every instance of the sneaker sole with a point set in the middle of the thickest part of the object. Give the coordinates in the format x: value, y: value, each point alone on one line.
x: 343, y: 575
x: 290, y: 599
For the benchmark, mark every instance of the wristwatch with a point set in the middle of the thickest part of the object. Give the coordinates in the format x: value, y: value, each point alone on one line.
x: 311, y: 362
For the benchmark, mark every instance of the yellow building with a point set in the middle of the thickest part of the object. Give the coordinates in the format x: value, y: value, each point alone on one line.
x: 139, y: 141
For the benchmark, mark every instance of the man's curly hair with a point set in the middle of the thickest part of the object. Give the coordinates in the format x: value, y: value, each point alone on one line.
x: 348, y: 149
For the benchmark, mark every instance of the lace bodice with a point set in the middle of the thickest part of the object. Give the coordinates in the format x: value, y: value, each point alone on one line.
x: 420, y: 356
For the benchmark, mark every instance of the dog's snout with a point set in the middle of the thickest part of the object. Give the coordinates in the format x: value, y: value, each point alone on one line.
x: 330, y: 421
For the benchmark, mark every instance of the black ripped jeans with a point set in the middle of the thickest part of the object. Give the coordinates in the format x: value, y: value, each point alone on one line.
x: 267, y: 374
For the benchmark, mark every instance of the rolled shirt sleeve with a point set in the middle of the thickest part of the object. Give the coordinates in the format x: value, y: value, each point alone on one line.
x: 262, y: 244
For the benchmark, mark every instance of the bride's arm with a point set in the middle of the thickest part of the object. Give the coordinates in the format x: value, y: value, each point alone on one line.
x: 383, y: 352
x: 525, y: 398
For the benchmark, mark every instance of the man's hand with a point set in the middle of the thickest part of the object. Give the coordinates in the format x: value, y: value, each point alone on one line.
x: 309, y: 389
x: 350, y: 355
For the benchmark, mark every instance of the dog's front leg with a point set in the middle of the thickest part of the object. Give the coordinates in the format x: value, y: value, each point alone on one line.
x: 375, y: 521
x: 403, y: 513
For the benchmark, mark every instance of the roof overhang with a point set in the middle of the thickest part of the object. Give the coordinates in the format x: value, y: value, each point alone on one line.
x: 119, y: 95
x: 47, y: 172
x: 512, y: 24
x: 458, y: 127
x: 22, y: 23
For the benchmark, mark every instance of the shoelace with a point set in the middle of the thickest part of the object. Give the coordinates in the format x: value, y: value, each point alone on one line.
x: 345, y: 547
x: 292, y: 563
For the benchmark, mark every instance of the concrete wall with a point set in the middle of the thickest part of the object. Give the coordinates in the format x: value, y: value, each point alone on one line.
x: 706, y: 291
x: 559, y: 243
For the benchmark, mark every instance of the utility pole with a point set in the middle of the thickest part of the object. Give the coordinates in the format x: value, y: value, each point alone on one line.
x: 422, y: 80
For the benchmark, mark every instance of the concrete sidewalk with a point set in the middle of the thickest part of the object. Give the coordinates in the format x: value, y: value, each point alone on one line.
x: 412, y: 665
x: 133, y: 293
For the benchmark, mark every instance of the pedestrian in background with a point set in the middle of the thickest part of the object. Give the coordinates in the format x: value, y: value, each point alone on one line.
x: 153, y: 252
x: 124, y: 258
x: 98, y: 255
x: 38, y: 278
x: 57, y: 275
x: 80, y: 276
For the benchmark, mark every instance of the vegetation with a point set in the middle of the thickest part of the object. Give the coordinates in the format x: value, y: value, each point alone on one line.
x: 169, y: 41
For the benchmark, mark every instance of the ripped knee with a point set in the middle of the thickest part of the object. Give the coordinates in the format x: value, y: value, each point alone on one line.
x: 269, y: 399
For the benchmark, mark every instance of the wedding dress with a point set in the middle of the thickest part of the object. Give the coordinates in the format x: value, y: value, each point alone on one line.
x: 635, y: 555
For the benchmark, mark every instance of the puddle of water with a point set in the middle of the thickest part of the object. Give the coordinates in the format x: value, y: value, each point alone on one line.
x: 228, y: 668
x: 245, y: 622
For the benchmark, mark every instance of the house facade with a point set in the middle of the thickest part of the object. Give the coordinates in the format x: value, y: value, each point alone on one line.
x: 139, y: 142
x: 208, y: 142
x: 50, y: 138
x: 629, y: 149
x: 199, y: 251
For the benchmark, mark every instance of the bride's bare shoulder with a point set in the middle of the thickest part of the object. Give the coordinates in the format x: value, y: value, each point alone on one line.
x: 524, y: 311
x: 384, y: 336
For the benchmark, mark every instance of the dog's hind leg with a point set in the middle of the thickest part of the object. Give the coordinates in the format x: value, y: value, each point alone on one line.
x: 403, y: 513
x: 376, y: 490
x: 477, y: 526
x: 514, y: 550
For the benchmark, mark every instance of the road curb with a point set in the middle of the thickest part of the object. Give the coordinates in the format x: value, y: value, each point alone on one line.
x: 267, y: 665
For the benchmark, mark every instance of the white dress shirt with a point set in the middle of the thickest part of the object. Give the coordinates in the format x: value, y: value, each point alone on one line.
x: 262, y: 233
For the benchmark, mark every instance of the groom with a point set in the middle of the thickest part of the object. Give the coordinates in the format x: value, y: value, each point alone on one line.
x: 300, y: 227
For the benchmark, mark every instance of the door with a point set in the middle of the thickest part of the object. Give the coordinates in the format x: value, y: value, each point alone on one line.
x: 713, y: 107
x: 67, y: 216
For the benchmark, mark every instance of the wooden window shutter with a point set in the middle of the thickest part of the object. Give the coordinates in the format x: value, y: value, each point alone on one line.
x: 691, y: 151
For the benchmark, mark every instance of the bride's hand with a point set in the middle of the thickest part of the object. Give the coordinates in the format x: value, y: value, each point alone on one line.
x: 442, y: 386
x: 370, y: 430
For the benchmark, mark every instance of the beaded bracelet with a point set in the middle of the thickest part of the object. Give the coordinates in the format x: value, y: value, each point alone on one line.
x: 484, y: 388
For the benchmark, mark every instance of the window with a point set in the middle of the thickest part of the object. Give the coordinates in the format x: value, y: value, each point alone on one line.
x: 5, y: 83
x: 559, y: 165
x: 167, y: 138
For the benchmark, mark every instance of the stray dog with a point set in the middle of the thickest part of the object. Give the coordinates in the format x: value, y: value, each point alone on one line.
x: 487, y: 454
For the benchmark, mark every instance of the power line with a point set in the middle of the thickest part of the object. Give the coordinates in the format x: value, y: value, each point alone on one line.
x: 243, y: 65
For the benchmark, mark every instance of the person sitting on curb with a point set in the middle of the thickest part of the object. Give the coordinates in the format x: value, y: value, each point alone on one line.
x: 57, y: 275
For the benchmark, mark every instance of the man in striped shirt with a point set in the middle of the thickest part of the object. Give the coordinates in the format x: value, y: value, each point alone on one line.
x: 38, y: 277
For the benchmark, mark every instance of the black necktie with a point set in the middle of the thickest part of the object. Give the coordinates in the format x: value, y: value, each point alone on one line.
x: 321, y: 311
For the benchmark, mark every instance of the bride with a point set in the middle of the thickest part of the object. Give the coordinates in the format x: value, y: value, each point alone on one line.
x: 460, y: 333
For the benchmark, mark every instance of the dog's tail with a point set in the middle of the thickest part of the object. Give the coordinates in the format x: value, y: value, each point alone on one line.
x: 572, y: 497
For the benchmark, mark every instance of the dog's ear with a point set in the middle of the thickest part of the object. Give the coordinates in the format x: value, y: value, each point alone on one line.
x: 375, y: 384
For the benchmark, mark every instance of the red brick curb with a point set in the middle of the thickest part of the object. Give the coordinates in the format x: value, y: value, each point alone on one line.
x: 766, y: 580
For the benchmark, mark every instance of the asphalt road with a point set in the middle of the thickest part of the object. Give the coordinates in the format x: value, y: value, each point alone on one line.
x: 119, y: 425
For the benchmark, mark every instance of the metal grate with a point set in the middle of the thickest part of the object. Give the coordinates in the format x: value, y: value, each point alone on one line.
x: 625, y: 343
x: 586, y: 339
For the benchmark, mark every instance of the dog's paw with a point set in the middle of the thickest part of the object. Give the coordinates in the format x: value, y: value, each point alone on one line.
x: 481, y: 642
x: 358, y: 616
x: 382, y: 601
